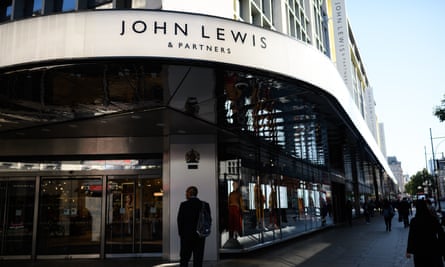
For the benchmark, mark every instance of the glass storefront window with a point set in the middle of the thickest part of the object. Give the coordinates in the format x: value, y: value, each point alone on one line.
x: 268, y: 207
x: 134, y: 215
x: 70, y: 219
x: 81, y: 91
x: 274, y: 111
x: 16, y: 216
x: 69, y: 216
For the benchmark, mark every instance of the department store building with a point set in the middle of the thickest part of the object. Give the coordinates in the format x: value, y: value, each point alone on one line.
x: 109, y: 112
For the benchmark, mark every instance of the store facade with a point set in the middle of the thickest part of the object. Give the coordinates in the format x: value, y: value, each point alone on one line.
x: 108, y: 116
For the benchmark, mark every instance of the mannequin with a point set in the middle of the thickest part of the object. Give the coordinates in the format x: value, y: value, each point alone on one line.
x: 259, y: 205
x: 128, y: 216
x: 273, y: 207
x: 236, y: 209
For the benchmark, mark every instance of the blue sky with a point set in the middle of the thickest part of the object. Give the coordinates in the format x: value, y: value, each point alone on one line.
x: 402, y: 45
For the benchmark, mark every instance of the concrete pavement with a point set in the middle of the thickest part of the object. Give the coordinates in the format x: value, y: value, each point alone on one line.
x: 359, y: 245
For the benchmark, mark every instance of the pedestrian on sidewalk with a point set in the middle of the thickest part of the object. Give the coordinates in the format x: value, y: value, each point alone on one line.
x: 190, y: 241
x: 403, y: 210
x: 388, y: 214
x: 423, y: 236
x: 367, y: 212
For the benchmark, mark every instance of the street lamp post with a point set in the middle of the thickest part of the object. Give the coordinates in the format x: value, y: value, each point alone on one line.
x: 434, y: 173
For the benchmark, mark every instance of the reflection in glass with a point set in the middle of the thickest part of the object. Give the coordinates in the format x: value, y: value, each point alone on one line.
x: 276, y: 206
x: 71, y: 92
x: 16, y: 222
x: 87, y: 165
x: 275, y: 111
x: 69, y: 216
x: 134, y: 215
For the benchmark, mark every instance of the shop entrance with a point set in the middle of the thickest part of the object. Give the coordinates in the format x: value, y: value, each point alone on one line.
x: 81, y: 215
x: 71, y: 216
x: 133, y: 215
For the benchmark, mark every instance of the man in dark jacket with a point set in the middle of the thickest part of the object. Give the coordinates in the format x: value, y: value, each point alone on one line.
x: 423, y: 239
x: 403, y: 209
x: 187, y: 220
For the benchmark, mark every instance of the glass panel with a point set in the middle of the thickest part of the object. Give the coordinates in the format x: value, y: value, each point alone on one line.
x: 68, y: 5
x: 275, y: 112
x: 134, y: 215
x: 265, y: 196
x: 120, y: 214
x: 37, y: 8
x: 185, y: 87
x: 43, y: 165
x: 83, y: 90
x: 2, y: 213
x: 150, y: 195
x: 69, y: 216
x: 17, y: 210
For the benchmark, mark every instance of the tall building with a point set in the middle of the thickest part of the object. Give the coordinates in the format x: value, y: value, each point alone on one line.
x: 371, y: 117
x: 109, y: 110
x: 346, y: 55
x: 396, y: 167
x: 382, y: 140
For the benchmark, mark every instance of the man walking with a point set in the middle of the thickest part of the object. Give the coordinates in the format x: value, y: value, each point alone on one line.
x: 403, y: 209
x: 191, y: 242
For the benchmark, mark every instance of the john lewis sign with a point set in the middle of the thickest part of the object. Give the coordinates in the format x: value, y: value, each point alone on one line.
x: 182, y: 32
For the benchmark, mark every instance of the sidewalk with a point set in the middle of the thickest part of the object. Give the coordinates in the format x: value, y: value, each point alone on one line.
x: 359, y: 245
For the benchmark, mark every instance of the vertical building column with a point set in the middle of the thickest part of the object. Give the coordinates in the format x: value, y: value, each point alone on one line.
x: 191, y: 160
x: 374, y: 180
x: 355, y: 179
x: 381, y: 180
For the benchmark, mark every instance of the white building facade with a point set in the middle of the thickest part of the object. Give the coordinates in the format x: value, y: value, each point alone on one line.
x: 111, y: 109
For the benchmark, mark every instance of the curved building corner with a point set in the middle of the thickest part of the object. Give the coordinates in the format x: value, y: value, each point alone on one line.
x: 108, y: 115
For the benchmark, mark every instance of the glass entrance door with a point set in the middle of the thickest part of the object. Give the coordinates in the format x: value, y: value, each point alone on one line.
x: 16, y: 216
x: 134, y: 215
x: 69, y: 216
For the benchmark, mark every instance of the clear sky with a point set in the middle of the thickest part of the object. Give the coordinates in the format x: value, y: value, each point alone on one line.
x: 402, y: 45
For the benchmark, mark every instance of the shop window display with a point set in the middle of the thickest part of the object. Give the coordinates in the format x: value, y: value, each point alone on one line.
x: 269, y: 208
